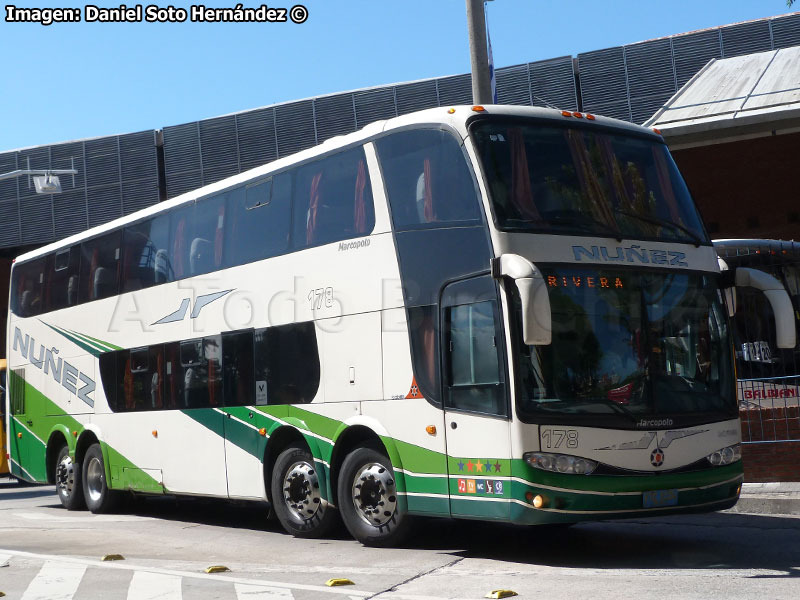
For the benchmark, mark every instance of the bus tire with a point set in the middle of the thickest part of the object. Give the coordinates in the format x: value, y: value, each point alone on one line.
x: 296, y: 495
x: 68, y: 478
x: 99, y: 499
x: 368, y: 499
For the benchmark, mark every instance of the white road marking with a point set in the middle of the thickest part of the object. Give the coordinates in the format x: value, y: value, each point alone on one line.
x: 86, y: 562
x: 245, y: 591
x: 154, y: 586
x: 57, y: 580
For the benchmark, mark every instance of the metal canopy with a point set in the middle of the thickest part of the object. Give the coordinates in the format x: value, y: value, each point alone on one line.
x: 745, y: 96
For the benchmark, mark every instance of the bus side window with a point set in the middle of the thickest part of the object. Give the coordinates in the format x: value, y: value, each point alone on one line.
x: 173, y: 377
x: 427, y: 179
x: 62, y: 278
x: 99, y: 274
x: 333, y: 200
x: 257, y: 220
x: 28, y: 288
x: 475, y: 381
x: 108, y: 377
x: 287, y: 360
x: 207, y: 236
x: 146, y: 254
x: 237, y: 365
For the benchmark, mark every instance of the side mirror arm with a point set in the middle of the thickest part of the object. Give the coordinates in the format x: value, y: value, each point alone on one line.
x: 536, y: 316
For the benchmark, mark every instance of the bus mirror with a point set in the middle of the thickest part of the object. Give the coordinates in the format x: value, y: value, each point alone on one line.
x: 536, y: 318
x: 728, y: 287
x: 778, y: 299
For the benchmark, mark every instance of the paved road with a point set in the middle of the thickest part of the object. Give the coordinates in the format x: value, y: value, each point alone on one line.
x: 49, y: 553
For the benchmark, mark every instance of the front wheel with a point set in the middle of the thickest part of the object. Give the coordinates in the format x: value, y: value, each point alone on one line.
x: 296, y: 495
x: 99, y: 498
x: 368, y: 499
x: 68, y: 481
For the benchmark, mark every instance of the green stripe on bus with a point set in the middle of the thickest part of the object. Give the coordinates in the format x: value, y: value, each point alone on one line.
x: 91, y: 349
x: 109, y: 346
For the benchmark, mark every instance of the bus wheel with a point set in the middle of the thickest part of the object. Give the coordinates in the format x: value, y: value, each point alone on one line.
x: 68, y: 481
x: 368, y: 499
x: 99, y: 498
x: 296, y: 495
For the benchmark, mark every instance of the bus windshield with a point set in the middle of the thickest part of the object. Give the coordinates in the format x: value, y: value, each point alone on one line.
x: 635, y: 345
x: 585, y: 180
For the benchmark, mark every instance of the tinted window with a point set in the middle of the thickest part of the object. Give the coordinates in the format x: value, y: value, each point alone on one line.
x: 333, y: 200
x: 427, y: 179
x: 202, y: 373
x: 237, y: 363
x: 28, y: 288
x: 257, y: 221
x: 475, y: 379
x: 205, y: 247
x: 287, y: 358
x: 100, y: 267
x: 146, y: 254
x: 133, y: 382
x: 62, y: 278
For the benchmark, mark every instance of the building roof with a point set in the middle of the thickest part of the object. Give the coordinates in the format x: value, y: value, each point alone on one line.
x: 751, y: 95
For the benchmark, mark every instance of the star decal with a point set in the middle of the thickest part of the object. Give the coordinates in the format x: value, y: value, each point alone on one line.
x: 497, y: 466
x: 488, y: 466
x: 469, y: 466
x: 460, y: 465
x: 479, y: 466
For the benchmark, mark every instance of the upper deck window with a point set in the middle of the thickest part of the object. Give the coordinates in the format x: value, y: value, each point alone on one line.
x: 427, y: 179
x: 579, y: 180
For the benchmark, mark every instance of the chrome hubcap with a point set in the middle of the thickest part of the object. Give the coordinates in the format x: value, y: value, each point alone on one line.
x: 65, y: 476
x: 95, y: 478
x: 301, y: 491
x: 375, y: 494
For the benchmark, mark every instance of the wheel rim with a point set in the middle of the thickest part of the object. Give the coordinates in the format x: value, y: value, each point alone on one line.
x: 375, y: 494
x: 95, y: 479
x: 65, y: 476
x: 301, y: 491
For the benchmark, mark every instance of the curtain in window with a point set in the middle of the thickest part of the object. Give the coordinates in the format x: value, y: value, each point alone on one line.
x: 178, y: 246
x: 360, y: 210
x: 665, y: 183
x: 218, y: 236
x: 587, y: 176
x: 430, y: 214
x: 313, y: 209
x: 521, y: 192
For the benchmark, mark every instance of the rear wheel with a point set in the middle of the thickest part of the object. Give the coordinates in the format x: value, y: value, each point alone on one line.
x: 98, y: 497
x: 68, y: 481
x: 296, y: 495
x: 368, y: 499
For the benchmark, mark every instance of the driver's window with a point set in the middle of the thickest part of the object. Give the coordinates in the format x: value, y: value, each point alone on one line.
x: 475, y: 376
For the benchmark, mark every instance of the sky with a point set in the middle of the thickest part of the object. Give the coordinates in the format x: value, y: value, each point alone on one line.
x: 70, y: 81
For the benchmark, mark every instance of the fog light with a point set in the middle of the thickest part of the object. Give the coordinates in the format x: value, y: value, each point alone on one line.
x: 539, y: 501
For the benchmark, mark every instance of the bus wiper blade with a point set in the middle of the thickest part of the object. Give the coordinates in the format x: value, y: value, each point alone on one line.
x: 587, y: 225
x: 664, y: 223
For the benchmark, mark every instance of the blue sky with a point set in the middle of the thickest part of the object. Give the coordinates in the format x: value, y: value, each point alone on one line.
x: 70, y: 81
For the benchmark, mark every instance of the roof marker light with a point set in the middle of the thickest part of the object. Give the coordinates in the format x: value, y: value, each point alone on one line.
x: 566, y: 113
x: 658, y: 131
x: 590, y: 117
x: 478, y: 108
x: 577, y: 115
x: 451, y: 110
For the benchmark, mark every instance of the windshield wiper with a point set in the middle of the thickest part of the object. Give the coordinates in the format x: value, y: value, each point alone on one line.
x: 664, y: 223
x: 585, y: 225
x: 597, y: 401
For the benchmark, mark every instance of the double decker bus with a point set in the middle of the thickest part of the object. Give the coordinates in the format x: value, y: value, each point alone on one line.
x: 500, y: 313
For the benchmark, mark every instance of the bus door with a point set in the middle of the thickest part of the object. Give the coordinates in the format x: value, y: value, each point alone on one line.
x: 20, y: 438
x: 475, y: 400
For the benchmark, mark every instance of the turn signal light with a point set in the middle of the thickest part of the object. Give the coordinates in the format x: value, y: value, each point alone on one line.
x: 262, y: 431
x: 155, y: 433
x: 478, y: 108
x: 431, y: 429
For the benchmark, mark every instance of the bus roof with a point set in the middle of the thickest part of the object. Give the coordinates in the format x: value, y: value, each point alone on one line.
x: 457, y: 117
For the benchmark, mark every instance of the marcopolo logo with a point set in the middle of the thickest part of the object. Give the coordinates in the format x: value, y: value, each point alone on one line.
x: 60, y: 370
x: 343, y: 246
x: 633, y: 254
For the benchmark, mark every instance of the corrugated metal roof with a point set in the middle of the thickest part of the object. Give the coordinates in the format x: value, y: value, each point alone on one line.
x: 753, y: 91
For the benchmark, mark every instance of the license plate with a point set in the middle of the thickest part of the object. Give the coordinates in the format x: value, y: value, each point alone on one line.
x: 660, y: 498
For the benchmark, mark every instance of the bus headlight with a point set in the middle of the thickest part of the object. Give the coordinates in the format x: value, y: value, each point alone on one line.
x: 725, y: 456
x: 560, y: 463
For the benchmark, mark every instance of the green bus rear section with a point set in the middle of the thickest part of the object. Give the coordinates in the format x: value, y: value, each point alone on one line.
x: 428, y: 481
